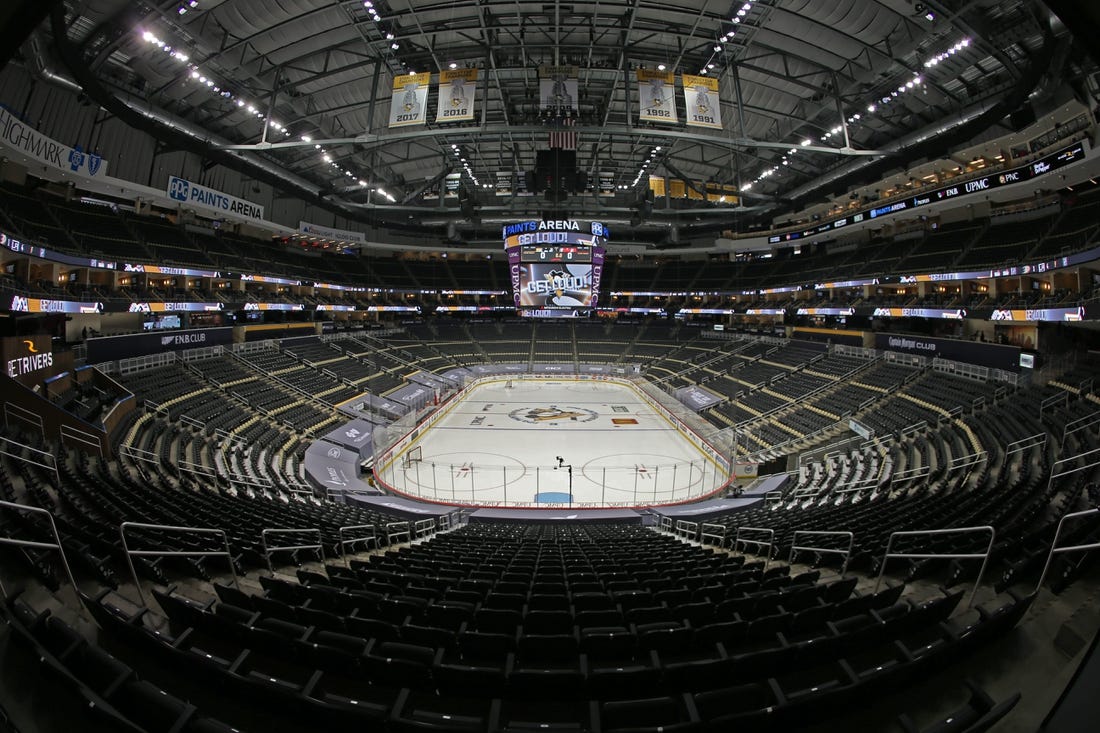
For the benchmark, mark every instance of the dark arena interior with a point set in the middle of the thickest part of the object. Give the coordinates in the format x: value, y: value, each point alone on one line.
x: 516, y: 366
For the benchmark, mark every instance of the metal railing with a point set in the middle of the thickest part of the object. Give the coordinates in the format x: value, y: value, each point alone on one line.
x: 705, y: 533
x: 131, y: 554
x: 984, y: 556
x: 1031, y: 441
x: 687, y: 529
x: 423, y: 527
x: 55, y: 545
x: 48, y: 460
x: 372, y: 537
x: 1081, y: 423
x: 281, y: 548
x: 760, y: 544
x: 847, y: 553
x: 1055, y: 473
x: 1056, y: 550
x: 398, y: 529
x: 666, y: 523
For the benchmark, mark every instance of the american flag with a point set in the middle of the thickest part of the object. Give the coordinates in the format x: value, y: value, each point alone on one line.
x: 563, y: 134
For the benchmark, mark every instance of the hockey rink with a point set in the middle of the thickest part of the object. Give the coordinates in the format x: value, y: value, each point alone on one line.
x: 553, y: 443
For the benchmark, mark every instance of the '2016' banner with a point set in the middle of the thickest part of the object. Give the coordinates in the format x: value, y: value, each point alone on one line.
x: 457, y: 93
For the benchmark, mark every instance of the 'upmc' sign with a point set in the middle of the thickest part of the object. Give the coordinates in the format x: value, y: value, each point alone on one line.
x: 187, y: 192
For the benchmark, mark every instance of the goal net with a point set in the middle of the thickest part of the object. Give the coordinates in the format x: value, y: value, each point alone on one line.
x: 412, y: 455
x: 508, y: 384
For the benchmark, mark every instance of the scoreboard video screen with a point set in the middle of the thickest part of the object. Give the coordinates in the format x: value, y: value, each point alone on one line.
x: 555, y: 267
x: 555, y: 253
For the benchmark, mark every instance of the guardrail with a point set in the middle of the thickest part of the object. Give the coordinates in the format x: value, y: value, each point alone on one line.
x: 1031, y: 441
x: 704, y: 533
x: 196, y: 469
x: 1081, y: 423
x: 770, y: 543
x: 55, y: 545
x: 372, y: 537
x: 687, y: 529
x: 268, y: 550
x: 666, y: 523
x: 423, y: 528
x: 131, y: 554
x: 48, y: 460
x: 847, y: 553
x: 398, y: 529
x: 13, y: 411
x: 1056, y: 550
x: 910, y: 473
x: 984, y: 556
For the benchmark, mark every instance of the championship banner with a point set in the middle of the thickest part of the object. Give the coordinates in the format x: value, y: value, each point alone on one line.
x: 457, y: 89
x: 701, y: 101
x: 657, y: 96
x: 558, y: 87
x: 503, y: 183
x: 409, y: 102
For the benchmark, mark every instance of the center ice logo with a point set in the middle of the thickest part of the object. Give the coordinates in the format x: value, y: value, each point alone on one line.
x: 552, y: 414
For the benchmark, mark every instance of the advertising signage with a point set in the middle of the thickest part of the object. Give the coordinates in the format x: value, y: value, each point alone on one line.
x: 994, y: 356
x: 1066, y: 156
x: 109, y: 348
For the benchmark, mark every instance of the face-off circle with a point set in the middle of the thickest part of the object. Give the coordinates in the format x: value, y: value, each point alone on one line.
x: 552, y: 414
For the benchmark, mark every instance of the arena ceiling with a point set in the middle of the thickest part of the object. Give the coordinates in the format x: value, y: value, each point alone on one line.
x: 815, y: 96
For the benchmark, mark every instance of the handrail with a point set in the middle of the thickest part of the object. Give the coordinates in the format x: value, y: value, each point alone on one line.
x: 56, y: 545
x: 390, y: 534
x: 958, y: 462
x: 1059, y: 474
x: 911, y: 473
x: 703, y: 533
x: 45, y: 455
x: 822, y: 533
x: 131, y: 554
x: 775, y: 496
x: 1039, y: 439
x: 1081, y: 423
x: 196, y: 468
x: 423, y: 527
x: 1055, y: 549
x: 686, y: 528
x: 665, y: 523
x: 950, y: 555
x: 305, y: 530
x: 770, y: 544
x: 372, y: 537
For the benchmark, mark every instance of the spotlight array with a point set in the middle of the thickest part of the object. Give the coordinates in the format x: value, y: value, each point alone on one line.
x: 644, y: 169
x: 208, y: 83
x: 457, y: 152
x: 879, y: 105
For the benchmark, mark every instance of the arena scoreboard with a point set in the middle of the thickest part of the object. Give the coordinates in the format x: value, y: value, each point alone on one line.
x: 555, y: 253
x: 555, y: 266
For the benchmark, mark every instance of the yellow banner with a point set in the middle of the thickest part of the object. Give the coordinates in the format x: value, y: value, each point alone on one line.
x: 701, y: 101
x: 656, y: 96
x: 457, y: 89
